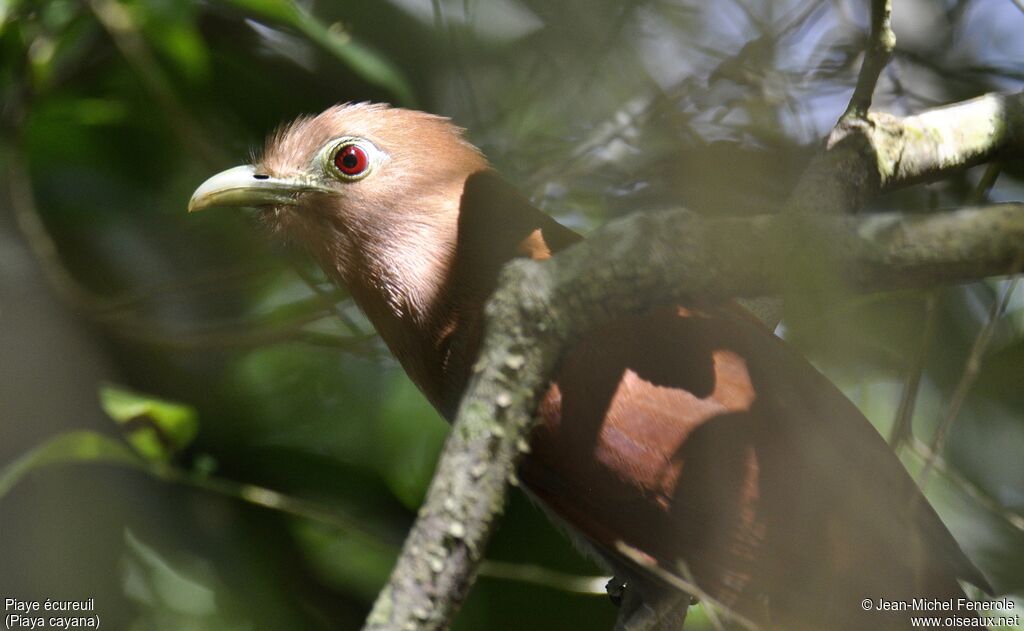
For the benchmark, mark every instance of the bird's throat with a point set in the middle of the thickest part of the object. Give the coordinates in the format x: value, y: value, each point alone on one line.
x: 424, y: 284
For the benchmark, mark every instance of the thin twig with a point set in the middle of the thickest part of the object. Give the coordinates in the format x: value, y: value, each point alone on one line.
x: 985, y: 184
x: 209, y: 281
x: 225, y: 337
x: 333, y: 518
x: 274, y: 500
x: 902, y: 429
x: 882, y: 41
x: 687, y: 585
x: 328, y: 298
x: 544, y: 577
x: 924, y: 452
x: 971, y: 369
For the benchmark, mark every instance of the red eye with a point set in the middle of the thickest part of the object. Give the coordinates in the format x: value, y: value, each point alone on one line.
x: 351, y: 160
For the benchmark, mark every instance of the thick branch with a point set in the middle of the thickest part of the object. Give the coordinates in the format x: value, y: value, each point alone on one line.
x: 939, y: 141
x: 869, y: 154
x: 824, y: 185
x: 626, y: 267
x: 882, y: 152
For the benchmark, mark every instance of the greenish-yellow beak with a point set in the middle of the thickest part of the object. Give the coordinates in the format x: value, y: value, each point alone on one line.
x: 243, y: 186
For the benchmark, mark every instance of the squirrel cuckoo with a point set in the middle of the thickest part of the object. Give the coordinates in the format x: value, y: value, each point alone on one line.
x: 690, y: 433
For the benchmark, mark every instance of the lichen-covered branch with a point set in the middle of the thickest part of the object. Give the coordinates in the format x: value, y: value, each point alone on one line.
x: 626, y: 267
x: 866, y: 156
x: 938, y: 141
x: 882, y: 152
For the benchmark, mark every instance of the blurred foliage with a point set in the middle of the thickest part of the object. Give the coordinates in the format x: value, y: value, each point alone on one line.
x: 286, y: 509
x: 157, y: 429
x: 69, y: 447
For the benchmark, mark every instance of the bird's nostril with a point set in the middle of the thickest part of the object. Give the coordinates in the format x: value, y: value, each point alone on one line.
x: 260, y: 176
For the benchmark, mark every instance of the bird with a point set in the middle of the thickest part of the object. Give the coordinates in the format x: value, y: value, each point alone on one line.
x: 686, y: 441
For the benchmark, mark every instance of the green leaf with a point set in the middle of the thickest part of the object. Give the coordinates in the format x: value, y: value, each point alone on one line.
x: 171, y: 29
x: 184, y: 46
x: 370, y: 64
x: 156, y: 428
x: 177, y: 591
x: 71, y: 447
x: 363, y: 59
x: 7, y: 7
x: 281, y: 11
x: 151, y: 580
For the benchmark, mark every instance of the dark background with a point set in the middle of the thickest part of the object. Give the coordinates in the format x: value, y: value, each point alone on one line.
x: 113, y: 112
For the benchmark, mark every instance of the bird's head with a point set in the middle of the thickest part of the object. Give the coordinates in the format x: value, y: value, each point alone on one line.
x: 395, y: 205
x: 373, y: 193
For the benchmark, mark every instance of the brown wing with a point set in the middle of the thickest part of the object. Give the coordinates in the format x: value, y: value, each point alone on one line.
x: 496, y: 225
x: 696, y: 436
